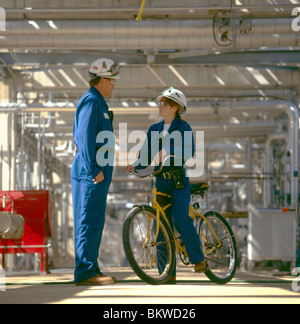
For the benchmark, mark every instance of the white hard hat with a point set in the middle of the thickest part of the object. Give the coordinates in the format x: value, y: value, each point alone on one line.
x: 105, y: 68
x: 177, y: 96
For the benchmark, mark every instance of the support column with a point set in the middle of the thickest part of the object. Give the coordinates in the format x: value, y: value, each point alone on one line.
x: 8, y: 121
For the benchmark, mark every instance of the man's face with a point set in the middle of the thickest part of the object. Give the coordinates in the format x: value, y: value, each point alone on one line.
x: 107, y: 86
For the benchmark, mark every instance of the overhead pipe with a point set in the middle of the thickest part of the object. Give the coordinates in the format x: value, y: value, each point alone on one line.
x: 154, y: 34
x: 199, y: 27
x: 137, y: 43
x: 157, y: 9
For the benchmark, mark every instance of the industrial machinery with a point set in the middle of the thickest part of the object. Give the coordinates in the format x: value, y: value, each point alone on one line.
x: 11, y: 224
x: 25, y: 218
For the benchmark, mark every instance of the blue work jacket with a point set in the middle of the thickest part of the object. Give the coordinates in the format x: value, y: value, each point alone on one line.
x: 91, y: 118
x: 178, y: 141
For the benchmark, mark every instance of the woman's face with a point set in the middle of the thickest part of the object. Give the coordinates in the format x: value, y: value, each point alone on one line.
x: 166, y: 110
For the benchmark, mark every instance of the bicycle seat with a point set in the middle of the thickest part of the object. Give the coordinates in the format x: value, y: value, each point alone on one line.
x: 199, y: 188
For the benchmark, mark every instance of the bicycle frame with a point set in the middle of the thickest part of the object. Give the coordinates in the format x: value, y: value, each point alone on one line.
x: 193, y: 213
x: 216, y: 237
x: 160, y: 211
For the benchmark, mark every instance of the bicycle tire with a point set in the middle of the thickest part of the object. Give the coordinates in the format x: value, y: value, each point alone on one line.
x: 222, y: 262
x: 144, y: 258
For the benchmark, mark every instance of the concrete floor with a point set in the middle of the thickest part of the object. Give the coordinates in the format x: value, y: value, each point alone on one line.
x: 57, y: 288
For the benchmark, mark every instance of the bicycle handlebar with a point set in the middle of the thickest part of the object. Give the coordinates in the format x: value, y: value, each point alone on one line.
x: 149, y: 174
x: 139, y: 175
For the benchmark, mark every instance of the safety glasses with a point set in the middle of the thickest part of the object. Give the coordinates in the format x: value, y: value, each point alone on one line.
x: 163, y: 104
x: 113, y: 81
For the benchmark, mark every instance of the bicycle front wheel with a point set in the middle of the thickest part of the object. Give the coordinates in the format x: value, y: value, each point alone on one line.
x: 221, y: 253
x: 152, y: 261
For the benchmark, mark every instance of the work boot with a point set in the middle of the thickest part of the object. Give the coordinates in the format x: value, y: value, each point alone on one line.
x: 113, y: 278
x: 97, y: 281
x: 201, y: 267
x: 171, y: 281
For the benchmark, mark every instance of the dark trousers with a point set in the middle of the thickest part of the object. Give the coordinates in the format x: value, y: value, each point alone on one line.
x: 178, y: 217
x: 89, y: 205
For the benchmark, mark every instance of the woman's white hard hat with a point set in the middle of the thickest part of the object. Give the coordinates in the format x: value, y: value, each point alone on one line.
x: 176, y: 96
x: 104, y: 68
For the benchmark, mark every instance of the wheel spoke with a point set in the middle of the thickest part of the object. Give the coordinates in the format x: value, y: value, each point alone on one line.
x: 152, y: 262
x: 221, y: 258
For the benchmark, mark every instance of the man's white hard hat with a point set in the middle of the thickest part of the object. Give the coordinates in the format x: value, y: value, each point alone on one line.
x: 177, y: 96
x: 104, y: 68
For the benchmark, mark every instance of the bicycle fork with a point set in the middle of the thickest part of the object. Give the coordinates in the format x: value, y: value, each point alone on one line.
x: 157, y: 220
x: 213, y: 248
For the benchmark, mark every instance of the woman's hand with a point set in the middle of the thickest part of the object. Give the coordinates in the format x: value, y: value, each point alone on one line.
x: 129, y: 168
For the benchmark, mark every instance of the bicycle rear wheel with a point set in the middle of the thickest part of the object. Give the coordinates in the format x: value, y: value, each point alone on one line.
x: 221, y: 260
x: 152, y: 261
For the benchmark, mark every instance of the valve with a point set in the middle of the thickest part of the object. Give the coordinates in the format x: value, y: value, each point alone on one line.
x: 11, y: 225
x: 285, y: 210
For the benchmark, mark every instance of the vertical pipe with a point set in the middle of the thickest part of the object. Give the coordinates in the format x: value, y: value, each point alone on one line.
x: 21, y: 163
x: 249, y: 167
x: 64, y: 217
x: 268, y: 166
x: 1, y: 166
x: 39, y: 154
x: 43, y: 156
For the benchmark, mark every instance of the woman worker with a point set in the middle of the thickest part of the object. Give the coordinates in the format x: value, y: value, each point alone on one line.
x: 172, y: 104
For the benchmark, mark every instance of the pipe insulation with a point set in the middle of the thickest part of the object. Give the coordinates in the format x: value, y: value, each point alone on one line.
x: 107, y: 43
x: 126, y: 28
x: 183, y: 34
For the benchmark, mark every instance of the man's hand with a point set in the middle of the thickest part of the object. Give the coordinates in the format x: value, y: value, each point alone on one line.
x: 99, y: 178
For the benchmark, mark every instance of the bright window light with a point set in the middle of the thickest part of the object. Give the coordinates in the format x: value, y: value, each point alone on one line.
x: 258, y: 76
x: 52, y: 24
x: 34, y: 24
x: 171, y: 67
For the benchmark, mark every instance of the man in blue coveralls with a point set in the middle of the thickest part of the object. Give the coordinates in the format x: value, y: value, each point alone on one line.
x: 91, y: 180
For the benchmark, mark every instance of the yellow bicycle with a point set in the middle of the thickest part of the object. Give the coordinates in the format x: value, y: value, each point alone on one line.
x: 151, y: 246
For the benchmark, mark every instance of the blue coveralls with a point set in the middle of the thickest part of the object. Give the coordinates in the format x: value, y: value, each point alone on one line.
x: 180, y: 198
x: 89, y: 199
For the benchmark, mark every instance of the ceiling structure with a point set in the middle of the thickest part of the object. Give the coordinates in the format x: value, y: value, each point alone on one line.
x: 235, y: 61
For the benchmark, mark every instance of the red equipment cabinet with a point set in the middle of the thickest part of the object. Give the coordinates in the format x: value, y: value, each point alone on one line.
x: 35, y: 207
